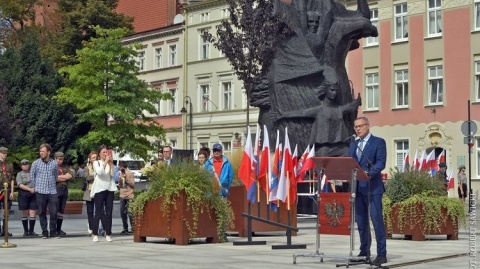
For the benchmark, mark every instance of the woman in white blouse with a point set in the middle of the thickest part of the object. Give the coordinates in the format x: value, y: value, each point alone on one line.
x: 103, y: 189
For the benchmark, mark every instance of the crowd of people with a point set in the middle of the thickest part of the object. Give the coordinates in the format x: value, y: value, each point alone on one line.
x: 43, y: 188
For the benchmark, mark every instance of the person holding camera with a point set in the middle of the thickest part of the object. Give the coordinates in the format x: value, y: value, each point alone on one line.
x: 103, y: 190
x: 126, y: 185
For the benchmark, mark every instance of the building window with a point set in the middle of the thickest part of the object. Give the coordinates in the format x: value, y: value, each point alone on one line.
x: 173, y: 101
x: 224, y: 13
x: 227, y: 147
x: 477, y: 79
x: 401, y: 150
x: 435, y: 85
x: 141, y: 60
x: 244, y: 98
x: 204, y: 17
x: 401, y: 22
x: 401, y: 88
x: 204, y: 47
x: 173, y: 55
x: 227, y: 95
x: 477, y: 14
x: 372, y: 91
x: 205, y: 98
x: 173, y: 143
x: 158, y: 58
x: 434, y: 17
x: 374, y: 19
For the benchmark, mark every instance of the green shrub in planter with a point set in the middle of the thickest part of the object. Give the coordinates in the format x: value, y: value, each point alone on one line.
x: 168, y: 181
x: 75, y: 195
x: 410, y: 189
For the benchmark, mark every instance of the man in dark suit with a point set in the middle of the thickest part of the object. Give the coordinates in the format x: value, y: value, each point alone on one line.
x: 371, y: 154
x: 167, y: 155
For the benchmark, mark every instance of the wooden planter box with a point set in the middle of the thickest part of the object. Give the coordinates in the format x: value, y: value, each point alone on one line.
x: 153, y: 223
x: 334, y: 212
x: 414, y: 231
x: 238, y: 200
x: 72, y: 208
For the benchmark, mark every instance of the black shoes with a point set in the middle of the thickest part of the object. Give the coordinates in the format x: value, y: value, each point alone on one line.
x: 25, y: 234
x: 379, y: 260
x: 45, y: 235
x: 32, y: 234
x: 55, y: 234
x: 124, y: 231
x: 363, y: 254
x: 62, y: 233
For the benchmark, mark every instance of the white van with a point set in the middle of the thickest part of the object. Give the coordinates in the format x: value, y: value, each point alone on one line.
x: 134, y: 165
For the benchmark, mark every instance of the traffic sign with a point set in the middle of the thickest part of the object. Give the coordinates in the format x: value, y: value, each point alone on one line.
x: 473, y: 128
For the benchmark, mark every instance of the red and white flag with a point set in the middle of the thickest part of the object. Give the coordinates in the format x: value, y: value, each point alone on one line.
x: 265, y: 171
x: 416, y: 162
x: 308, y: 164
x: 286, y: 174
x: 451, y: 181
x: 295, y: 161
x: 245, y: 174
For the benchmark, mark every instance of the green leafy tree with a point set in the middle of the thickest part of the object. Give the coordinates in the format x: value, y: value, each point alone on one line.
x: 34, y: 115
x: 77, y: 17
x: 16, y: 12
x: 104, y: 87
x: 248, y: 39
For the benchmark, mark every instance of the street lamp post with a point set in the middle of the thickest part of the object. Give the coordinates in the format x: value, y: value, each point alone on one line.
x: 188, y: 101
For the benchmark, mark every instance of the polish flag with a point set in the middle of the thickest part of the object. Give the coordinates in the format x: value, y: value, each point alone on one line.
x: 265, y: 171
x: 416, y: 162
x: 423, y: 162
x: 440, y: 159
x: 277, y: 162
x: 245, y: 174
x: 286, y: 174
x: 451, y: 181
x: 406, y: 163
x: 431, y: 163
x: 295, y: 161
x: 308, y: 164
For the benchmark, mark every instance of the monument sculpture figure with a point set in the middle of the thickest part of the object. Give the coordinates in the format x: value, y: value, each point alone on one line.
x: 309, y: 61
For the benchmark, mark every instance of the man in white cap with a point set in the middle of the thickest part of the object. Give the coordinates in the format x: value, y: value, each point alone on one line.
x: 6, y: 176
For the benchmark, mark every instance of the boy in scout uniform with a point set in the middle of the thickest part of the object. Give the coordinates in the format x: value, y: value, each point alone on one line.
x: 65, y: 174
x: 27, y: 202
x: 6, y: 176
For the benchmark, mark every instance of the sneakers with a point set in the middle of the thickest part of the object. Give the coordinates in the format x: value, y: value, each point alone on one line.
x: 95, y: 238
x: 45, y: 235
x: 90, y: 232
x: 108, y: 238
x: 55, y: 234
x: 131, y: 231
x: 124, y: 231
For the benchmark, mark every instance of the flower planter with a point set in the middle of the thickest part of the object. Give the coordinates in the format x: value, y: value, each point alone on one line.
x: 154, y: 223
x: 239, y: 203
x: 414, y: 230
